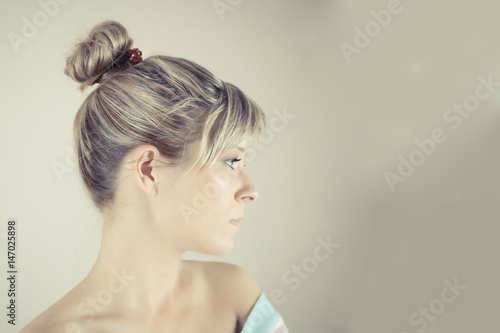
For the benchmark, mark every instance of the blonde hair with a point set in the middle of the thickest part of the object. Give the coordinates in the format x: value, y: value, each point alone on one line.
x: 163, y: 101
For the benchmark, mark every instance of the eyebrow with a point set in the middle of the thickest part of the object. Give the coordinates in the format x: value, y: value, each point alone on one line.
x: 243, y: 150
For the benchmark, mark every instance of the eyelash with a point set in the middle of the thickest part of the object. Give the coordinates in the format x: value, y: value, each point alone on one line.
x: 233, y: 160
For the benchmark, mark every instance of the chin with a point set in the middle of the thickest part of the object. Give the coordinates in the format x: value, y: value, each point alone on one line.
x: 218, y: 249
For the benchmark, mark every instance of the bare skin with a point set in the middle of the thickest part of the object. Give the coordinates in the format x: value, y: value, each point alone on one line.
x: 140, y: 283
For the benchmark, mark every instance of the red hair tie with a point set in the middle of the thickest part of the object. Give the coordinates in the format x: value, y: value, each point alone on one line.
x: 135, y: 55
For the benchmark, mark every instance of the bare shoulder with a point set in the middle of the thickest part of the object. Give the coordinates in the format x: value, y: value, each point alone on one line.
x: 231, y: 283
x: 60, y: 317
x: 50, y: 321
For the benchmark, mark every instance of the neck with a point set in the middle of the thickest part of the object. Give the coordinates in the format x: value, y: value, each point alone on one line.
x: 142, y: 278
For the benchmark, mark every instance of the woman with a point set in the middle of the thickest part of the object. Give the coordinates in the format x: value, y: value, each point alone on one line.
x: 161, y: 143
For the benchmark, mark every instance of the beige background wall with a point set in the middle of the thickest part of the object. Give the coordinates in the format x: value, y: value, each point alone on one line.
x: 320, y: 175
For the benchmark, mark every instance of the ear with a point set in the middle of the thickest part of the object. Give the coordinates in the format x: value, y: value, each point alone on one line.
x: 146, y: 168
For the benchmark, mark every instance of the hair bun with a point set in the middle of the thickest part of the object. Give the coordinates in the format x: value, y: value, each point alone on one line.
x: 94, y: 57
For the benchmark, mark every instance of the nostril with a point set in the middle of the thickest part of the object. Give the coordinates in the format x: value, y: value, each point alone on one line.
x: 252, y: 198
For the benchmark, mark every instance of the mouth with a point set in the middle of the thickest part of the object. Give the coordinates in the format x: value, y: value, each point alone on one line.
x: 236, y: 222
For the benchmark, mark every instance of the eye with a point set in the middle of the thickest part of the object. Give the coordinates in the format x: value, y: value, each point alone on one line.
x: 233, y: 160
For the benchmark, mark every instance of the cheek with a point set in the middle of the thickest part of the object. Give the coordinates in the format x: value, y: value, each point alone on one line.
x: 208, y: 196
x: 215, y: 192
x: 221, y: 179
x: 198, y: 200
x: 214, y: 198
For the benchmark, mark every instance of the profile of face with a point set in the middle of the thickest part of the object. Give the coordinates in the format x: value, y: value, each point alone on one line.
x: 194, y: 212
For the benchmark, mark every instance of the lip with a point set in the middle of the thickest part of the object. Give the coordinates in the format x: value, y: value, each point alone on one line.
x: 236, y: 222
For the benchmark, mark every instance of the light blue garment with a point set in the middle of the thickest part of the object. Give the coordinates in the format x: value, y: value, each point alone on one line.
x: 264, y: 318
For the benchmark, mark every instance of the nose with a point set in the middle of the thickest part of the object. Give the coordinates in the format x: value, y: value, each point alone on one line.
x: 248, y: 191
